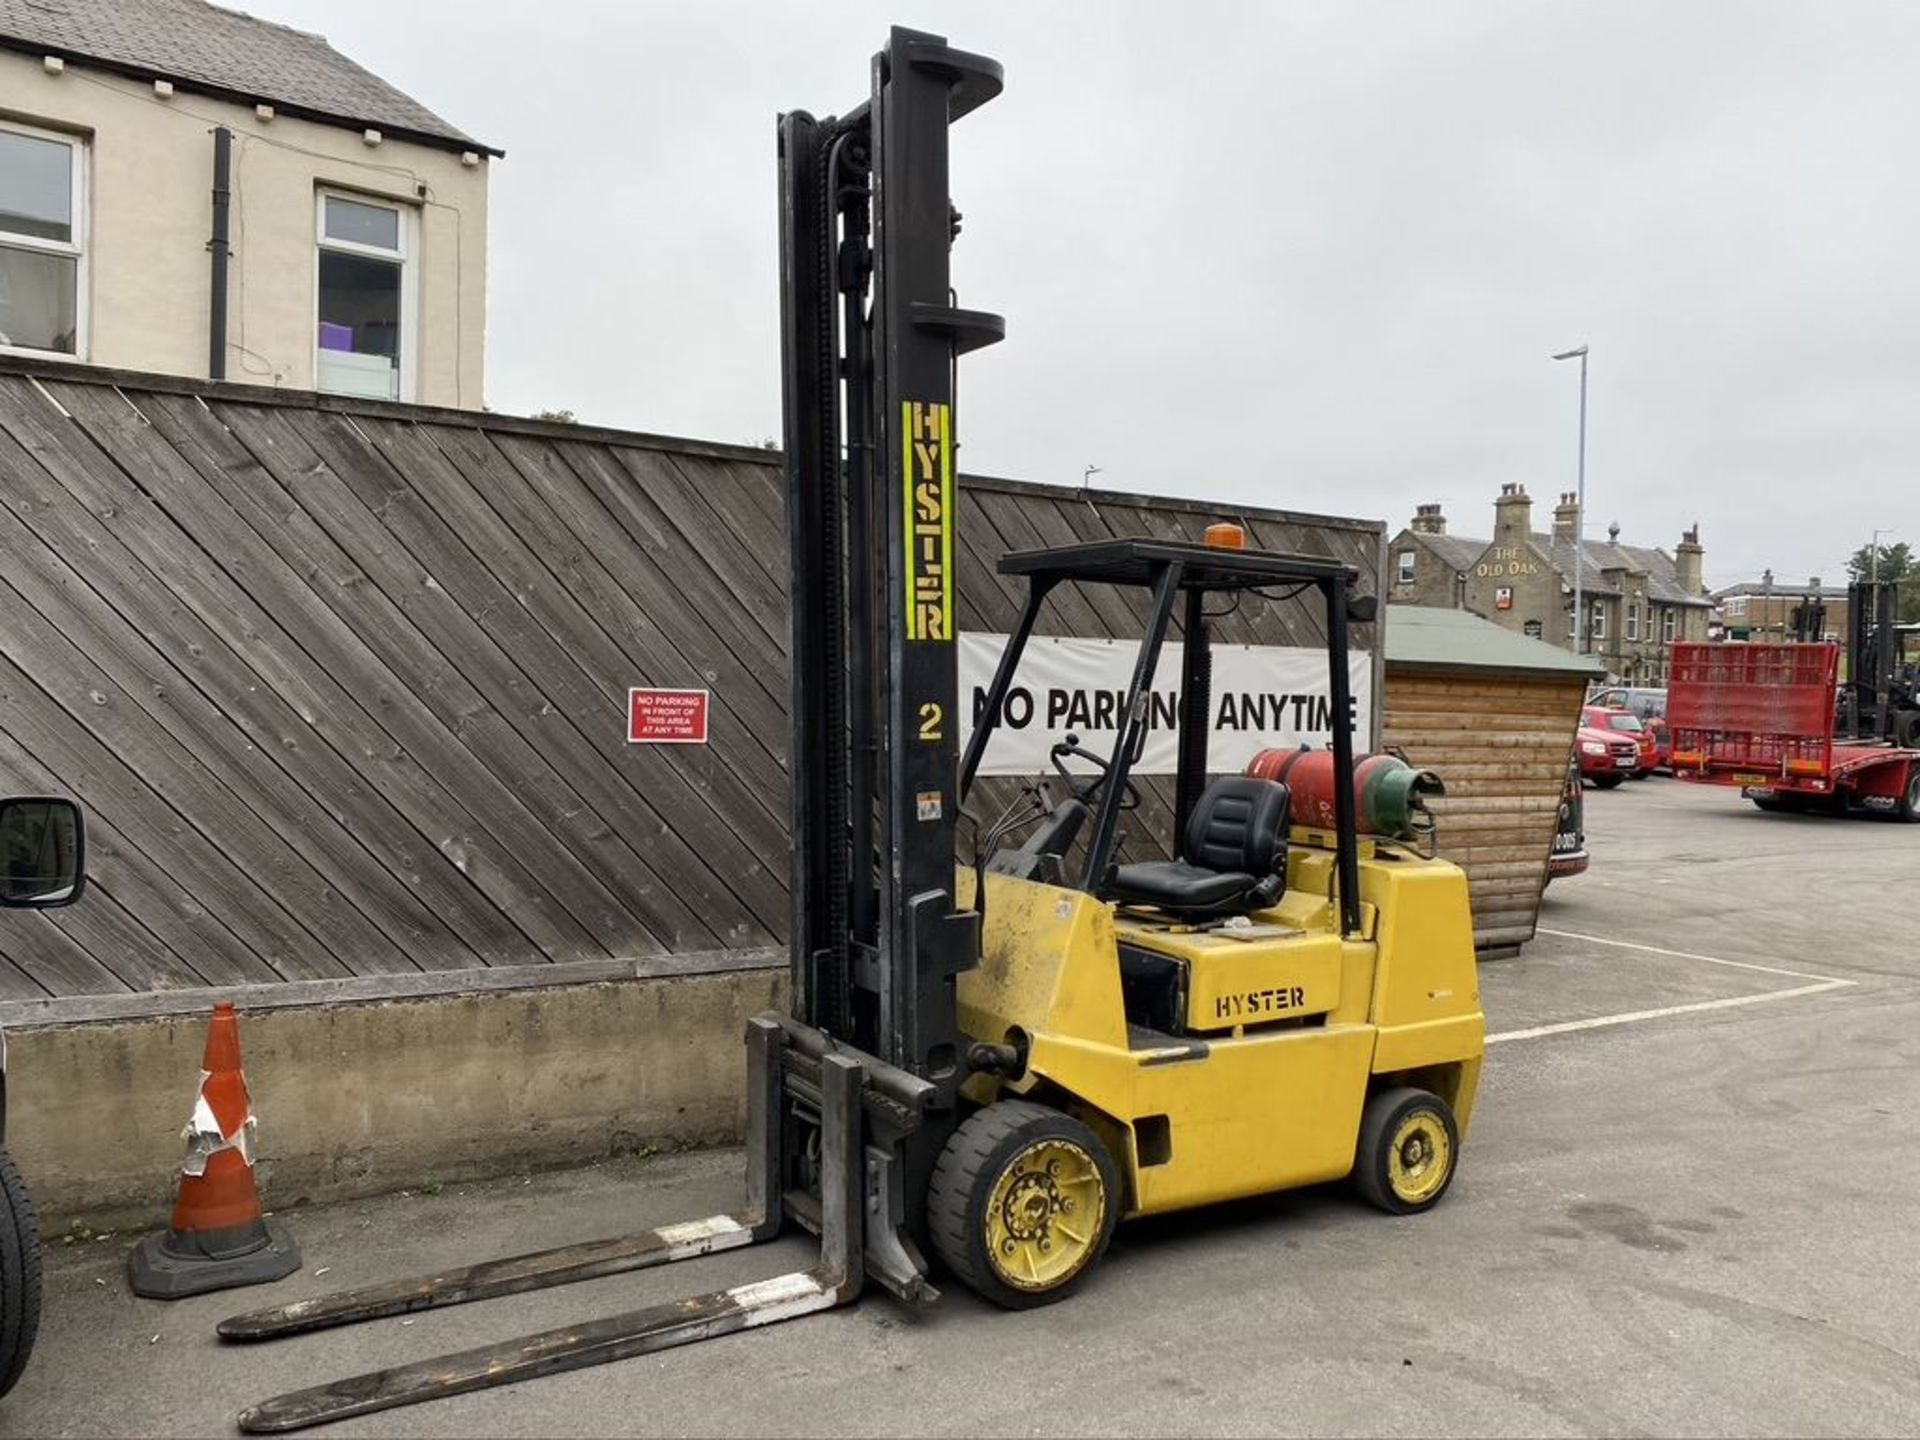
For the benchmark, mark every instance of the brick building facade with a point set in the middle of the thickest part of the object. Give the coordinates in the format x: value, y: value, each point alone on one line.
x: 1638, y: 600
x: 1766, y: 609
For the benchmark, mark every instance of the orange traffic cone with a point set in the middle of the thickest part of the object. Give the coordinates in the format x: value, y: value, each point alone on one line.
x: 218, y: 1238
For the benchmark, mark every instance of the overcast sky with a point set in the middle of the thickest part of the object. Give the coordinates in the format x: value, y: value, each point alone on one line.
x: 1307, y: 255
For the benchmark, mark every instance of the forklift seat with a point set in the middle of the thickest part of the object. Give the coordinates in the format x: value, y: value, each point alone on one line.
x: 1233, y: 857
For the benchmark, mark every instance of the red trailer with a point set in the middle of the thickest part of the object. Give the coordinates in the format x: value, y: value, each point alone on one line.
x: 1762, y: 717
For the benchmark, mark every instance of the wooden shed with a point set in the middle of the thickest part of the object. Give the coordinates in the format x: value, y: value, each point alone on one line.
x: 1493, y: 713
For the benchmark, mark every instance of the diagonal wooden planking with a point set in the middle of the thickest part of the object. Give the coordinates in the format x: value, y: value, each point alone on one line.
x: 476, y: 595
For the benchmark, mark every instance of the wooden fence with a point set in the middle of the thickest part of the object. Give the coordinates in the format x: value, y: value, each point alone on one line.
x: 342, y: 684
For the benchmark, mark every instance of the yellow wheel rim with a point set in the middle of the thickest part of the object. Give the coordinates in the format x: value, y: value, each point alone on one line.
x: 1420, y: 1158
x: 1045, y: 1215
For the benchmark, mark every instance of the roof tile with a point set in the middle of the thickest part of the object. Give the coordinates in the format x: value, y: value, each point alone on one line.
x: 1462, y: 552
x: 190, y: 41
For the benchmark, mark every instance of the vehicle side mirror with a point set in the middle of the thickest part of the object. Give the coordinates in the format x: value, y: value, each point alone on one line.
x: 43, y: 853
x: 1363, y: 609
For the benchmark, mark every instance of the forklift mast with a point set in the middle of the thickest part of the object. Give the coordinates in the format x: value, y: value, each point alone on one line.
x: 1870, y: 704
x: 870, y: 338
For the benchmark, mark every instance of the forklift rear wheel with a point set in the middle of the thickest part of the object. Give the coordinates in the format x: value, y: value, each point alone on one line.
x: 1022, y: 1203
x: 1909, y: 810
x: 1409, y: 1148
x: 1607, y: 782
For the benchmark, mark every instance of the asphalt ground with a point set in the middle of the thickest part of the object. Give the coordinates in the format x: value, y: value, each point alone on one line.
x: 1687, y: 1207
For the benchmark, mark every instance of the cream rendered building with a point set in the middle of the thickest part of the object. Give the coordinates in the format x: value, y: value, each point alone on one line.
x: 357, y: 219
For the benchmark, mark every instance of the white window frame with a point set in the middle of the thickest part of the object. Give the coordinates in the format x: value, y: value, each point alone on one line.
x: 1407, y: 560
x: 1633, y: 620
x: 408, y: 256
x: 1599, y: 631
x: 77, y: 247
x: 1669, y: 621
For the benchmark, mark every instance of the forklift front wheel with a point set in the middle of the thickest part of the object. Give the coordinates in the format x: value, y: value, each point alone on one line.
x: 1409, y: 1148
x: 1022, y: 1203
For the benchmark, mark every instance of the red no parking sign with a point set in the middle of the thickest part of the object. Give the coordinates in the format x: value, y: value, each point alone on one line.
x: 666, y: 717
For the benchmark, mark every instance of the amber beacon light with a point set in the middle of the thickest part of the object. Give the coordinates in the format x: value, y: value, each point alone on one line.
x: 1225, y: 535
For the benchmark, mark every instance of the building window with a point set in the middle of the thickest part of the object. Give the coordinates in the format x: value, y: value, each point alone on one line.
x: 1532, y: 629
x: 1667, y: 618
x: 1599, y: 621
x: 42, y: 241
x: 1735, y: 607
x: 1406, y: 567
x: 1633, y: 620
x: 365, y: 340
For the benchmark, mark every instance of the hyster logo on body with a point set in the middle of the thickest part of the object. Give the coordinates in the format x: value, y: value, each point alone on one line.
x: 926, y: 445
x: 1256, y: 1003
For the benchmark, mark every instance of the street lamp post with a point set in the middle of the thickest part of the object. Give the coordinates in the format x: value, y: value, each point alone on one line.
x: 1579, y: 352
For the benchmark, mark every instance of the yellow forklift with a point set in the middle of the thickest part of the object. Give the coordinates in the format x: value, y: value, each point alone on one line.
x: 1281, y: 1005
x: 989, y: 1063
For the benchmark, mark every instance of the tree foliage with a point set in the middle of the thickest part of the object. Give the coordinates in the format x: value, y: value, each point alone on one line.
x: 1897, y: 563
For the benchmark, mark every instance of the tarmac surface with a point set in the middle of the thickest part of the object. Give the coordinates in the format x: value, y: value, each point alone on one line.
x: 1695, y: 1220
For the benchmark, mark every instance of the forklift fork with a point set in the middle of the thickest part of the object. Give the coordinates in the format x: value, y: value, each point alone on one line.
x: 793, y: 1069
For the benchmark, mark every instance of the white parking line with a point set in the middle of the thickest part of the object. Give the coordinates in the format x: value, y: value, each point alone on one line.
x: 1683, y: 955
x: 1820, y: 983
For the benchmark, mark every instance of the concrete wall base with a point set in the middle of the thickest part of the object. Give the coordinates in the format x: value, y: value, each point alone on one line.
x: 361, y: 1098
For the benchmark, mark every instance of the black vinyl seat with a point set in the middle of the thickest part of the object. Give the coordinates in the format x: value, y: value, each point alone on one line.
x: 1233, y: 856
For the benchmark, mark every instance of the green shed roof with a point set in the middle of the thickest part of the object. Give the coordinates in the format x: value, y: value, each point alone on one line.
x: 1429, y: 636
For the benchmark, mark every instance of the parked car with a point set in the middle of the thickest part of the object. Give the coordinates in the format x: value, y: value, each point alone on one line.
x: 1625, y: 722
x: 1568, y: 855
x: 1662, y: 735
x: 1647, y: 702
x: 1606, y: 756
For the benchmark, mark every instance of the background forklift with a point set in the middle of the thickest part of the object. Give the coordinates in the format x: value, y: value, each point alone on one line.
x: 991, y: 1064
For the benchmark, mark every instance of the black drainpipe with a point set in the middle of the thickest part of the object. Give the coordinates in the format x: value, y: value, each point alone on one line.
x: 222, y: 206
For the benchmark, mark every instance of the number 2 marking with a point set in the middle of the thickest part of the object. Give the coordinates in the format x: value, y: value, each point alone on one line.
x: 930, y: 717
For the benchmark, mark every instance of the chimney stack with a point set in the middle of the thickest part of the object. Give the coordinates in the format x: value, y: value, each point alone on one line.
x: 1513, y: 516
x: 1427, y: 520
x: 1687, y: 560
x: 1566, y: 518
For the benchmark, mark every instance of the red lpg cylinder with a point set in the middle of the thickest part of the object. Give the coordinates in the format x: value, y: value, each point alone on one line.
x: 1389, y: 795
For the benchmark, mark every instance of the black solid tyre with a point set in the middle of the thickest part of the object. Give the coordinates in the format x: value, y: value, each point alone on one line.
x: 19, y: 1275
x: 1398, y: 1120
x: 1607, y: 782
x: 1909, y: 807
x: 978, y: 1158
x: 1769, y: 803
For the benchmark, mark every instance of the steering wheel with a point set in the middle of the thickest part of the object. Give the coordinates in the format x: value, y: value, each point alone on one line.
x: 1086, y: 788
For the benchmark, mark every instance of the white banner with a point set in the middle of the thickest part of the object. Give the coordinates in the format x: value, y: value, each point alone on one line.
x: 1263, y: 696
